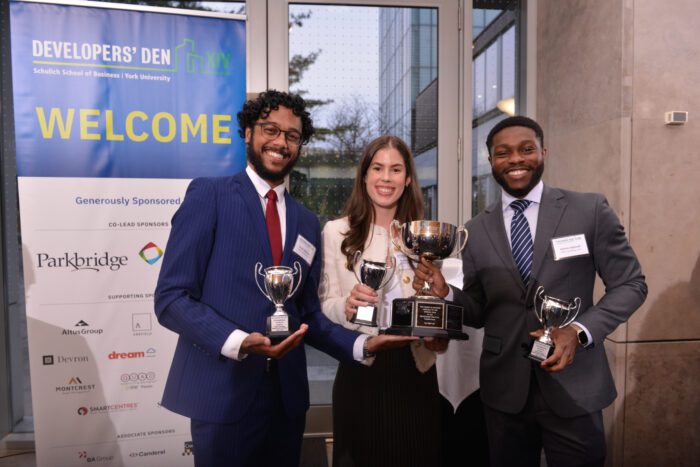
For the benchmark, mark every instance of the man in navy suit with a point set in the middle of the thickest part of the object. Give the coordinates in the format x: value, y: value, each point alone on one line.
x: 537, y: 235
x: 246, y: 396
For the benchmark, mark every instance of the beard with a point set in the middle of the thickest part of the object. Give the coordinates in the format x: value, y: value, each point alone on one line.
x: 256, y: 159
x: 520, y: 192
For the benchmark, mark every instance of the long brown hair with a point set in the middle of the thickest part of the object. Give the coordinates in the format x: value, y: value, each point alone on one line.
x: 359, y: 208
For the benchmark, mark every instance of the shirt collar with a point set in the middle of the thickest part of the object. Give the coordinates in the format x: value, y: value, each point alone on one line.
x: 535, y: 196
x: 261, y: 186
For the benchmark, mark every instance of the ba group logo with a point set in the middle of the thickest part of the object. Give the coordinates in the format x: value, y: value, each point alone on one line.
x: 89, y: 458
x: 151, y: 253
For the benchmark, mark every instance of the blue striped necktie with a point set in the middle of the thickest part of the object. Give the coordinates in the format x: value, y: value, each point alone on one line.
x: 521, y: 239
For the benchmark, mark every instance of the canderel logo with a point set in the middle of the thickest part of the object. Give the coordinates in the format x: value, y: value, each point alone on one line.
x: 151, y: 253
x: 151, y: 352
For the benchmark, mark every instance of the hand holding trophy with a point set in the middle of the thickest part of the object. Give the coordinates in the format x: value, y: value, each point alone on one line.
x: 552, y: 313
x: 424, y: 314
x: 374, y: 275
x: 279, y: 286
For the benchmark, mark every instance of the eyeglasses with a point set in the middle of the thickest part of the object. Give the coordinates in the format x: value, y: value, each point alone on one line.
x: 272, y: 131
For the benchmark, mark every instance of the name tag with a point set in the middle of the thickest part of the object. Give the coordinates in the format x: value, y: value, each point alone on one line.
x: 569, y: 247
x: 402, y: 262
x: 305, y: 249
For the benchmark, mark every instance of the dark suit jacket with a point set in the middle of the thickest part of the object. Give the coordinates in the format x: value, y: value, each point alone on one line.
x: 494, y: 297
x: 206, y: 290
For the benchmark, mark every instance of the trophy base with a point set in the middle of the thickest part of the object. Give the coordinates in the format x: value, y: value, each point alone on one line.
x: 540, y: 351
x: 279, y: 327
x: 426, y: 317
x: 366, y: 316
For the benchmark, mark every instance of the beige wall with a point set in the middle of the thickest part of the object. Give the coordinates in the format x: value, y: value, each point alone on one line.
x: 607, y: 72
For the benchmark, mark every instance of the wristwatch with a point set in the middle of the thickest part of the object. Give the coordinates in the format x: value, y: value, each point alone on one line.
x: 365, y: 349
x: 581, y: 335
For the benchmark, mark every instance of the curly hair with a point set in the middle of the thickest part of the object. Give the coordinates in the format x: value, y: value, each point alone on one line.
x: 270, y: 100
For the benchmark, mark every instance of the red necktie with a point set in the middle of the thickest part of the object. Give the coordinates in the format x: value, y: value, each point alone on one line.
x: 272, y: 219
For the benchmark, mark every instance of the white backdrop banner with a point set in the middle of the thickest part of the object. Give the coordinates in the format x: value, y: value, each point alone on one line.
x: 115, y: 111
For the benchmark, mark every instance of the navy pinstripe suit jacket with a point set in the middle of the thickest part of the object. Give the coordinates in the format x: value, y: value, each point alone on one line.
x: 206, y: 290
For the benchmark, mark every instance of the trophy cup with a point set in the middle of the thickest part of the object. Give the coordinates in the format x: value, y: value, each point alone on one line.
x: 425, y: 315
x: 551, y: 313
x: 375, y: 275
x: 279, y: 286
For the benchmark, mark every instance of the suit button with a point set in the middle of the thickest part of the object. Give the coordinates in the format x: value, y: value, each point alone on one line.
x: 406, y: 279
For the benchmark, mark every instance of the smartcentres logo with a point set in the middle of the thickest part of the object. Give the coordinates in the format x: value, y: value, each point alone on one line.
x: 75, y: 261
x: 151, y: 253
x: 108, y: 408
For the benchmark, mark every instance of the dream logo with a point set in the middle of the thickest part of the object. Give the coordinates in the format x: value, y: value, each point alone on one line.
x: 151, y: 253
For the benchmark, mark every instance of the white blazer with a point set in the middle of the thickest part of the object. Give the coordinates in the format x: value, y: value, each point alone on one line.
x: 337, y: 281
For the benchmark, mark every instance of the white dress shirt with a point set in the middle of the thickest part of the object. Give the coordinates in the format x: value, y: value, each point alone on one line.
x: 232, y: 346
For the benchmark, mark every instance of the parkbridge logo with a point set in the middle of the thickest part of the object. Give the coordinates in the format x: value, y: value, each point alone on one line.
x: 84, y: 329
x: 114, y: 355
x: 74, y: 261
x: 75, y: 386
x: 151, y: 253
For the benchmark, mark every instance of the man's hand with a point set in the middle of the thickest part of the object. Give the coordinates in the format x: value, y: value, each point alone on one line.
x: 426, y: 271
x: 258, y: 344
x: 386, y: 341
x: 360, y: 295
x: 565, y: 344
x: 436, y: 344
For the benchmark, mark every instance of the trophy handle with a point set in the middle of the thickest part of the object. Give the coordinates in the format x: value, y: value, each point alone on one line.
x: 461, y: 231
x: 538, y: 294
x: 355, y: 259
x: 297, y: 270
x: 396, y: 234
x: 576, y: 307
x: 258, y: 268
x: 391, y: 268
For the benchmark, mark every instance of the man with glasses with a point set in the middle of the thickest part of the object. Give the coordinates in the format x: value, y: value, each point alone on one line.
x: 245, y: 395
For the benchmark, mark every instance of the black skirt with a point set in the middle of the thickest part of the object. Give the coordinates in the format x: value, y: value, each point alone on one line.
x: 387, y: 414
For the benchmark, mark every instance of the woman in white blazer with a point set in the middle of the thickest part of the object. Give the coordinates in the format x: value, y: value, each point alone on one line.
x: 386, y: 413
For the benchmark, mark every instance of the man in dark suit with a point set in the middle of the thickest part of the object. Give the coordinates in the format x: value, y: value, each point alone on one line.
x: 245, y: 395
x: 567, y: 238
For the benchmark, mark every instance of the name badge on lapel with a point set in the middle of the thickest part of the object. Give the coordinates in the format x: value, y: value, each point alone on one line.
x: 305, y: 249
x: 570, y: 246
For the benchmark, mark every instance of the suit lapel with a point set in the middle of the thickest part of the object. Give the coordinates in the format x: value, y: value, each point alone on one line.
x: 292, y: 224
x: 551, y: 209
x: 496, y: 232
x: 251, y: 200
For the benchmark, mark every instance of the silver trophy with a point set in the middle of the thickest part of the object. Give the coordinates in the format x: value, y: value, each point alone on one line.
x: 374, y: 275
x: 552, y: 313
x: 279, y: 286
x: 424, y: 314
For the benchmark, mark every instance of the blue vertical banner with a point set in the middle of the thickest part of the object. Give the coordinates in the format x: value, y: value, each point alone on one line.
x: 100, y: 92
x: 115, y: 109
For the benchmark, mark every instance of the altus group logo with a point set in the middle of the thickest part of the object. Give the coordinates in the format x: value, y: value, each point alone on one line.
x: 151, y: 253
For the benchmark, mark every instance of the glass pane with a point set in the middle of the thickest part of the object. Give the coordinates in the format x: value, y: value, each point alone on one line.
x: 367, y: 71
x: 495, y: 75
x: 221, y: 7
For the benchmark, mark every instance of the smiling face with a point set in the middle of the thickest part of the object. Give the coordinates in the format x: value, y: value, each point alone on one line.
x: 386, y: 178
x: 273, y: 157
x: 517, y: 160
